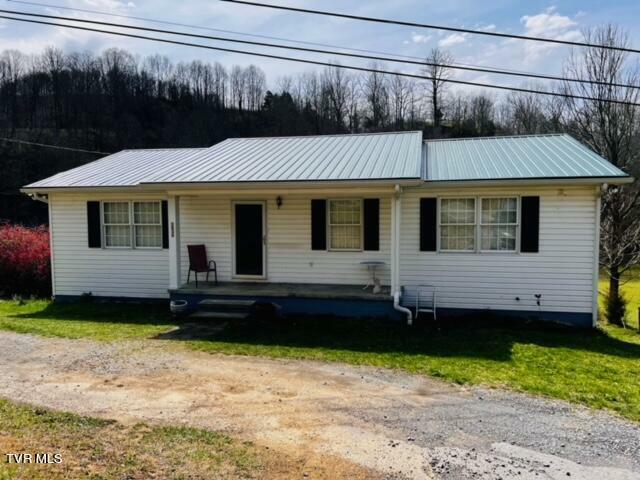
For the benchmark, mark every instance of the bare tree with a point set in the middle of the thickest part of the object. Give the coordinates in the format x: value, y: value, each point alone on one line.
x: 336, y: 81
x: 482, y: 113
x: 439, y: 73
x: 376, y: 92
x: 161, y: 69
x: 238, y: 81
x: 525, y: 113
x: 611, y: 129
x: 220, y: 79
x: 400, y: 89
x: 255, y: 82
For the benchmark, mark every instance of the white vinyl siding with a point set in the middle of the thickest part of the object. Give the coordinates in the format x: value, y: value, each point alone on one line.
x: 207, y: 220
x: 112, y: 272
x: 562, y: 271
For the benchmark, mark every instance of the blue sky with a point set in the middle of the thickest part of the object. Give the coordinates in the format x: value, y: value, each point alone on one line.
x: 562, y: 19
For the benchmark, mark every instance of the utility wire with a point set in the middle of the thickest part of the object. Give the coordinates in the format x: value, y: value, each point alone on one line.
x: 56, y: 147
x: 314, y: 50
x: 254, y: 35
x: 200, y: 27
x: 435, y: 27
x: 317, y: 62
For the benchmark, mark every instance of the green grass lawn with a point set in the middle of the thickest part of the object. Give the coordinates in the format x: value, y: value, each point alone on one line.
x: 599, y: 368
x: 96, y: 321
x: 94, y: 448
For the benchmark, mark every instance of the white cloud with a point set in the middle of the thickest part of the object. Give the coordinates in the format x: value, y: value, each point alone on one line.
x: 108, y: 5
x: 453, y: 39
x: 419, y: 38
x: 548, y: 24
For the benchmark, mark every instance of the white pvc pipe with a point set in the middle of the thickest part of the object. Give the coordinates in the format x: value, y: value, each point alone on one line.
x: 396, y: 212
x: 400, y: 308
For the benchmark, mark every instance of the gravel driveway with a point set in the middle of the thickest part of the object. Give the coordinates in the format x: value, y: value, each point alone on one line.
x: 391, y: 424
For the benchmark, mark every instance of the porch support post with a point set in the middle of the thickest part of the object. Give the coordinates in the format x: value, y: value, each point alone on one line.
x: 173, y: 202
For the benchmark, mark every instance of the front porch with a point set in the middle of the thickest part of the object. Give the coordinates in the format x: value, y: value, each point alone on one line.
x: 294, y: 298
x: 283, y: 290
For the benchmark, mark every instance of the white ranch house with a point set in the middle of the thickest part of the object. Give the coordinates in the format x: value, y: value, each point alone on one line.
x: 502, y: 224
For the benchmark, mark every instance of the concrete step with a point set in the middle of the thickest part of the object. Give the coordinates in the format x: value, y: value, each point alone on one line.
x: 213, y: 315
x: 220, y: 302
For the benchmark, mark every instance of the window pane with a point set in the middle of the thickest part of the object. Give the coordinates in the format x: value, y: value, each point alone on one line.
x: 498, y: 237
x: 499, y: 210
x: 117, y: 236
x: 345, y: 237
x: 148, y: 235
x: 146, y: 213
x: 457, y: 237
x: 457, y: 210
x: 344, y: 212
x: 116, y: 212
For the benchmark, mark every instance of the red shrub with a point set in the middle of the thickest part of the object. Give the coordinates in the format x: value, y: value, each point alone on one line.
x: 25, y: 264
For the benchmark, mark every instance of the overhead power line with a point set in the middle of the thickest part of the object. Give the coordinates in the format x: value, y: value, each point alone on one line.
x: 56, y: 147
x: 317, y: 62
x: 435, y: 27
x: 421, y: 63
x: 210, y: 29
x: 245, y: 34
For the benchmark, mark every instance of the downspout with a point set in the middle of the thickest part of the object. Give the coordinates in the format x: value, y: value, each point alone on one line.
x: 396, y: 212
x: 596, y: 255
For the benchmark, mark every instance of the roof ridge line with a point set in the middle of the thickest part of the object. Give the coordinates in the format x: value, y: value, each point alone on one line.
x: 159, y: 149
x: 398, y: 132
x: 497, y: 137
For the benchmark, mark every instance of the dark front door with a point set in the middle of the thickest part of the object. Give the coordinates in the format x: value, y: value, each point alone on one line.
x: 249, y: 239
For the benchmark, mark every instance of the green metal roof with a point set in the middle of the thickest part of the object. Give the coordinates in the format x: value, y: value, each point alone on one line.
x: 370, y: 156
x: 513, y: 158
x: 394, y: 156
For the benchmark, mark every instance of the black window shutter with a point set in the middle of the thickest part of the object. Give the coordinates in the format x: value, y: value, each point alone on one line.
x: 530, y: 230
x: 371, y: 216
x: 165, y: 224
x: 428, y: 224
x: 93, y: 225
x: 318, y: 224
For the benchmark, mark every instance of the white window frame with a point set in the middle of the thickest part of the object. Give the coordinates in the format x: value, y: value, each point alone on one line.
x: 517, y: 224
x: 131, y: 225
x: 474, y: 224
x: 329, y: 226
x: 134, y: 224
x: 104, y: 226
x: 478, y: 224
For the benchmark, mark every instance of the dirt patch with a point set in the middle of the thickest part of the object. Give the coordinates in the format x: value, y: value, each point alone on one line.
x: 332, y: 420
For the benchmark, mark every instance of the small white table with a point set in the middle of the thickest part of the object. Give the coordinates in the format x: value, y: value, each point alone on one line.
x: 372, y: 266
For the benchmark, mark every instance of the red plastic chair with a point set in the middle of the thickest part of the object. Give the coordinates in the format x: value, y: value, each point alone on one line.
x: 198, y: 263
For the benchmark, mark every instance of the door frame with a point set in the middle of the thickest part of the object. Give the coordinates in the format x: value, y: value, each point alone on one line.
x: 234, y: 275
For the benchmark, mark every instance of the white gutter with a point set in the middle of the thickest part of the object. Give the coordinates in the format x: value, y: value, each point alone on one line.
x: 509, y: 182
x: 40, y: 197
x: 396, y: 218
